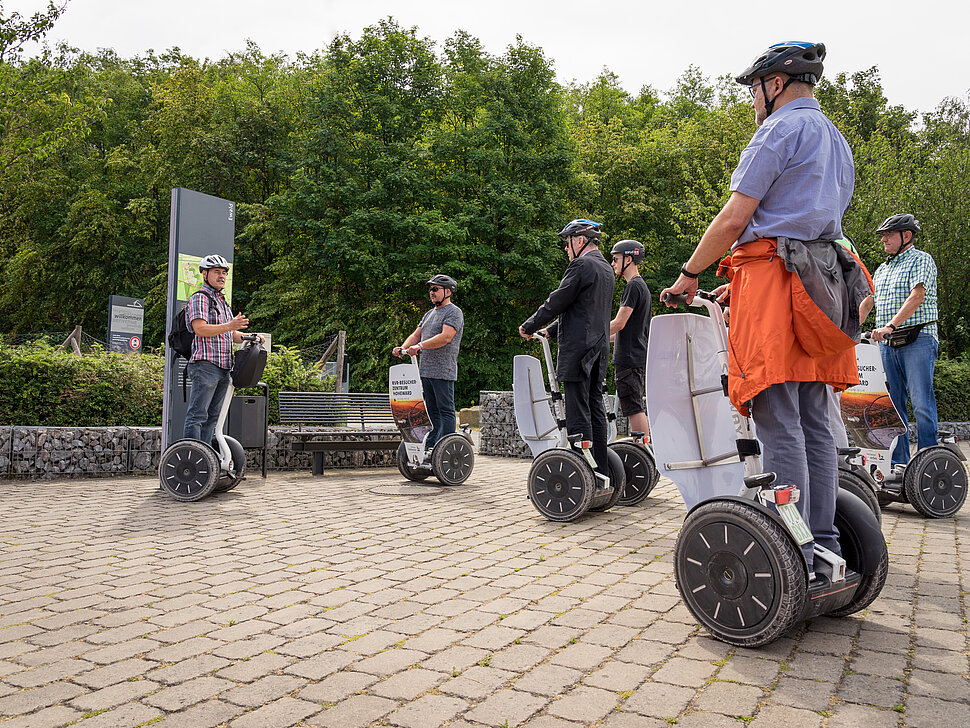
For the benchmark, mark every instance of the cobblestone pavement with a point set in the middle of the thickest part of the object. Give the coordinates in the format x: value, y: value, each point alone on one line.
x: 318, y: 602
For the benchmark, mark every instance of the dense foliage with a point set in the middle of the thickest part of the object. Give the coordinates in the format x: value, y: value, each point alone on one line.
x: 46, y: 386
x: 365, y: 167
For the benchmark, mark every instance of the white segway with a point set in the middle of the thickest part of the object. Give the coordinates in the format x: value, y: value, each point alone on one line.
x: 452, y: 458
x: 934, y: 481
x: 189, y: 470
x: 738, y: 561
x: 639, y: 464
x: 563, y: 481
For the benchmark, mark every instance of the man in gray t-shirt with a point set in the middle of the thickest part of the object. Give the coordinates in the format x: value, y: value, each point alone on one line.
x: 438, y: 337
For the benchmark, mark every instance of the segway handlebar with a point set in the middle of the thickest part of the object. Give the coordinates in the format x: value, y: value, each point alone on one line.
x: 681, y: 298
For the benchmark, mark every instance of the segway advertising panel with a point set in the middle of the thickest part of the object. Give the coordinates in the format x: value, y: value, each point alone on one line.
x: 199, y: 225
x: 452, y: 458
x: 691, y: 419
x: 870, y: 418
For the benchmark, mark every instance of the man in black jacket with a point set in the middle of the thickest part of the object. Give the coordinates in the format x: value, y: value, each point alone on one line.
x: 583, y: 302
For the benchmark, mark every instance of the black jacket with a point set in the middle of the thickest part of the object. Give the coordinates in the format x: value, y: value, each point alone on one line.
x: 583, y: 303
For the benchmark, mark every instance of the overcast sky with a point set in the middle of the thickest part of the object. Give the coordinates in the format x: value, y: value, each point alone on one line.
x: 919, y: 47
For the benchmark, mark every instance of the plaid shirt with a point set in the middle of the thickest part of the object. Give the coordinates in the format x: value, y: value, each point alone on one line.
x: 895, y: 280
x: 215, y: 349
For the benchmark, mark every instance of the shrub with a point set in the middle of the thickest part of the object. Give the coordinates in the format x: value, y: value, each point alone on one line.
x: 43, y: 386
x: 952, y: 385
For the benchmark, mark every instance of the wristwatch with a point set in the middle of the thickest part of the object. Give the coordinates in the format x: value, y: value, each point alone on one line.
x: 685, y: 272
x: 891, y: 326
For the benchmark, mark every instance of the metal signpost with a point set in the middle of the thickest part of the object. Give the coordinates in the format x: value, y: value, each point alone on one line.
x: 200, y: 225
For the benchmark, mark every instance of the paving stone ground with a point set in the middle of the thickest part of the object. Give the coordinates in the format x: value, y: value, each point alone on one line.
x: 303, y: 601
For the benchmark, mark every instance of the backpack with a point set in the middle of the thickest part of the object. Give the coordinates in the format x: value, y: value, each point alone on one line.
x: 181, y: 337
x: 247, y: 365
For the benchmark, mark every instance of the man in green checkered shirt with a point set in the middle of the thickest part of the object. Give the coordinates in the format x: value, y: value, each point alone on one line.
x: 906, y: 298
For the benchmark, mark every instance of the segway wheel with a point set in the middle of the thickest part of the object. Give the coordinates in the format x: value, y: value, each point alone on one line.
x: 561, y: 485
x: 854, y: 550
x: 452, y: 459
x: 188, y: 470
x: 405, y: 467
x: 935, y: 482
x: 617, y: 480
x: 238, y: 465
x: 740, y: 574
x: 857, y: 485
x: 640, y: 470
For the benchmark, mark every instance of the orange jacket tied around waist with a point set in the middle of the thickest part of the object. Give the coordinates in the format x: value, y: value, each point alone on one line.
x: 778, y: 333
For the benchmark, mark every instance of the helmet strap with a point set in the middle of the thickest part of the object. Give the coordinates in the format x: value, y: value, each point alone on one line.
x: 770, y: 105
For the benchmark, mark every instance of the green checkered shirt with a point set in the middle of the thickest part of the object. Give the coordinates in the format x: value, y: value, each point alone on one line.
x: 895, y: 280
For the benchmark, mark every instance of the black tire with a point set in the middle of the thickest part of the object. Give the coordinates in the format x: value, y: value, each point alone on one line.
x: 617, y: 480
x: 404, y: 466
x: 739, y: 572
x: 640, y: 470
x: 452, y: 459
x: 226, y: 482
x: 853, y: 548
x: 857, y: 485
x: 935, y: 482
x: 561, y: 485
x: 188, y: 470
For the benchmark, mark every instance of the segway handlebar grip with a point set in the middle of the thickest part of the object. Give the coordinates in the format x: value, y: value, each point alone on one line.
x: 675, y: 298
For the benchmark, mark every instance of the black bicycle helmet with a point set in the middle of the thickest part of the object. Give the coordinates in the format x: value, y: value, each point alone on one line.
x: 799, y: 60
x: 632, y: 248
x: 898, y: 223
x: 587, y: 228
x: 444, y: 281
x: 213, y: 261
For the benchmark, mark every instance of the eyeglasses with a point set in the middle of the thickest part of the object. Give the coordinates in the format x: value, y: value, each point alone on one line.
x: 752, y: 88
x: 434, y: 289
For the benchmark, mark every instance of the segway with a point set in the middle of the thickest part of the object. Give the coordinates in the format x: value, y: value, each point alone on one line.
x: 639, y: 465
x: 738, y: 561
x: 189, y: 470
x: 451, y: 459
x: 563, y: 481
x: 934, y: 481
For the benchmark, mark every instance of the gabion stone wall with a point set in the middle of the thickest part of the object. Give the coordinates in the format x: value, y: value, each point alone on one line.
x: 500, y: 434
x: 84, y: 452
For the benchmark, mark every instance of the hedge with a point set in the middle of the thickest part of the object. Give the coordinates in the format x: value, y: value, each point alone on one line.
x: 44, y: 386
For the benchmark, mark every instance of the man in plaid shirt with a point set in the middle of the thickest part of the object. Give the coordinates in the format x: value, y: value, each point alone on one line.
x: 905, y: 298
x: 215, y: 328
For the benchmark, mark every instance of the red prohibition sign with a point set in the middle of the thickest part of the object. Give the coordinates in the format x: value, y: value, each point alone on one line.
x: 134, y: 342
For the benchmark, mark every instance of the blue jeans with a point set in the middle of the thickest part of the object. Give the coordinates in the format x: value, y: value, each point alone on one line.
x: 909, y: 375
x: 794, y: 425
x: 439, y: 397
x: 209, y: 385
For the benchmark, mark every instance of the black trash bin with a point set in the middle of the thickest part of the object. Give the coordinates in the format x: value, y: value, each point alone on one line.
x: 248, y: 421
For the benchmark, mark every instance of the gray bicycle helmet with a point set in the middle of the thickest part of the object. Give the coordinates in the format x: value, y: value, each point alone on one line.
x: 797, y: 59
x: 444, y: 281
x: 632, y: 248
x: 898, y: 223
x: 587, y: 228
x: 213, y: 261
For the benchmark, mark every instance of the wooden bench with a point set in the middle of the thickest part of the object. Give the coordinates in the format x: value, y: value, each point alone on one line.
x: 365, y: 422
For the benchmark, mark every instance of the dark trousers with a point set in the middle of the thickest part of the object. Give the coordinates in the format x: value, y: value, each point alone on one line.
x: 209, y: 385
x: 439, y: 398
x: 586, y: 415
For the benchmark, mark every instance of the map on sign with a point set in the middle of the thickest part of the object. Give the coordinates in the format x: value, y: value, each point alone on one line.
x: 190, y: 278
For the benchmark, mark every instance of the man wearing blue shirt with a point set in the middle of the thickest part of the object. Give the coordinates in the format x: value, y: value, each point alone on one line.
x: 905, y: 301
x: 794, y: 291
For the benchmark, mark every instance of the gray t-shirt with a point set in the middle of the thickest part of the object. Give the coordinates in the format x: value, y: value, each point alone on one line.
x: 441, y: 363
